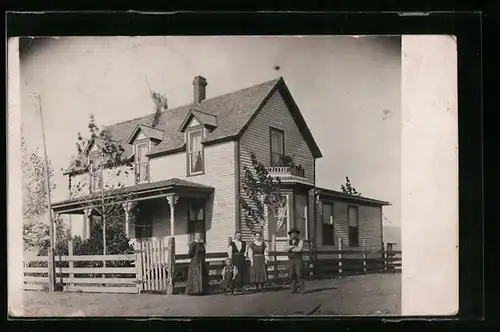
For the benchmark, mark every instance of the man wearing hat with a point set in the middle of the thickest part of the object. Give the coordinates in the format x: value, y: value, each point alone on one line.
x: 296, y: 263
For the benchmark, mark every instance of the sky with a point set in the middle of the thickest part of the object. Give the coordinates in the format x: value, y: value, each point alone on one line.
x: 348, y: 89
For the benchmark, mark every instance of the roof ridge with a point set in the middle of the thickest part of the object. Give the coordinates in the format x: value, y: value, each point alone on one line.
x: 185, y: 105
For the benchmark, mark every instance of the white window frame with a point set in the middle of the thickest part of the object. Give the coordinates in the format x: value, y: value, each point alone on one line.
x: 287, y: 216
x: 188, y: 150
x: 332, y: 221
x: 136, y: 164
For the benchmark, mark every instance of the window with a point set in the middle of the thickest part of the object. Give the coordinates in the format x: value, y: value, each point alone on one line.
x: 196, y: 217
x: 277, y: 145
x: 301, y: 215
x: 327, y: 225
x: 195, y: 152
x: 353, y: 226
x: 95, y: 171
x: 278, y: 223
x: 141, y: 162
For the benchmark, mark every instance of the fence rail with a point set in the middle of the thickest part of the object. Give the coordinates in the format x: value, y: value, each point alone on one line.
x: 150, y: 268
x: 103, y: 279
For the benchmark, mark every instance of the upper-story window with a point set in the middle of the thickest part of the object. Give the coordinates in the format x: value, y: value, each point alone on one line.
x: 195, y: 152
x: 141, y: 162
x: 95, y: 171
x: 277, y: 145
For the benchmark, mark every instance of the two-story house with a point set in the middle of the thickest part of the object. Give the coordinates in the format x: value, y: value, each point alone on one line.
x: 188, y: 171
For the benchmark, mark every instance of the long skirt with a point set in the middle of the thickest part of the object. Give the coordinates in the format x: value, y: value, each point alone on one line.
x: 197, y: 279
x: 239, y: 262
x: 259, y: 269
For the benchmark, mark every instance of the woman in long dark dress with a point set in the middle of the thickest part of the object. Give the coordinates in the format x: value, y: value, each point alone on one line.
x: 237, y: 251
x: 259, y: 257
x: 197, y: 280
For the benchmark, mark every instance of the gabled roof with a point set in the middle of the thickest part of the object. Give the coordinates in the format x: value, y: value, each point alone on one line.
x: 149, y: 132
x: 233, y: 111
x: 205, y: 119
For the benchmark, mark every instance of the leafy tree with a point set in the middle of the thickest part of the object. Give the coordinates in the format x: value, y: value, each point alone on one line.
x: 36, y: 236
x: 260, y: 189
x: 35, y: 202
x: 348, y: 188
x: 112, y: 158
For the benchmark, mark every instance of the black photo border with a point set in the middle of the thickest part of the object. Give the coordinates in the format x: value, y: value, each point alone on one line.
x: 466, y: 26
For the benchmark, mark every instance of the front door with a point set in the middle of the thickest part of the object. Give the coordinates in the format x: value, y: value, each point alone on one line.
x: 196, y: 218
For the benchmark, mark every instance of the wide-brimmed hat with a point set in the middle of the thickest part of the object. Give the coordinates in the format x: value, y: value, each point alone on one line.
x: 294, y: 230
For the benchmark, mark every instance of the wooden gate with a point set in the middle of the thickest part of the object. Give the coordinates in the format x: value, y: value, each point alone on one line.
x: 152, y: 264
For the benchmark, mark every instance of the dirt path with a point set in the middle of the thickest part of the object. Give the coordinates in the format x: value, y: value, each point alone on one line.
x: 357, y: 295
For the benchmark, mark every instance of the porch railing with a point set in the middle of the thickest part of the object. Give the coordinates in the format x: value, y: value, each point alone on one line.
x: 294, y: 171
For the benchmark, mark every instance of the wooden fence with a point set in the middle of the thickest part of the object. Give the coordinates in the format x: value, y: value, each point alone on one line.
x: 317, y: 265
x: 96, y: 273
x: 148, y: 270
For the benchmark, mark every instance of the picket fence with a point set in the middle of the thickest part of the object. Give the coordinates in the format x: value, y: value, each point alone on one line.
x: 148, y: 270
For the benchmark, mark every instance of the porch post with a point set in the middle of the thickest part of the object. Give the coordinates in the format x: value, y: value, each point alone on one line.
x: 56, y: 218
x: 172, y: 200
x: 86, y: 224
x: 126, y: 207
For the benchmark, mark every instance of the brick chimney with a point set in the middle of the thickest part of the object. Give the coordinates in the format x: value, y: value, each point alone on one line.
x: 199, y: 89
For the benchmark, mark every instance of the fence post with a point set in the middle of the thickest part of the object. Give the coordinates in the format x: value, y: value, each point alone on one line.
x: 171, y: 266
x: 384, y: 255
x: 389, y: 257
x: 364, y: 256
x: 340, y: 256
x: 71, y: 264
x: 138, y: 265
x: 275, y: 260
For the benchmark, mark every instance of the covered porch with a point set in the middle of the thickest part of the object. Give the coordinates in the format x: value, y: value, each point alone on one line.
x: 166, y: 208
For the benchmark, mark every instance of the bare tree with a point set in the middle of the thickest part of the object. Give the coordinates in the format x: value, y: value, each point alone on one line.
x: 161, y: 103
x: 109, y: 171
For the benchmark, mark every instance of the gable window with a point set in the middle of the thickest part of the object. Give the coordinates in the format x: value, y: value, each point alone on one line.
x: 327, y: 227
x: 353, y: 226
x: 141, y: 162
x: 195, y: 152
x: 95, y: 171
x: 277, y: 145
x: 196, y: 217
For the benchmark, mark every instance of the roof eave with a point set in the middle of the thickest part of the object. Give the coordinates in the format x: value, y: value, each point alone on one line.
x: 338, y: 195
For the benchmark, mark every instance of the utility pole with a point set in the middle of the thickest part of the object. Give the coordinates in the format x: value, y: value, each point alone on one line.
x: 51, y: 257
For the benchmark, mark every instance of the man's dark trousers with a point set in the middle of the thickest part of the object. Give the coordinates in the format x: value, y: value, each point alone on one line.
x: 296, y: 274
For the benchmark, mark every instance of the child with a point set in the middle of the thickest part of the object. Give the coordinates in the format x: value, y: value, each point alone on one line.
x: 229, y: 273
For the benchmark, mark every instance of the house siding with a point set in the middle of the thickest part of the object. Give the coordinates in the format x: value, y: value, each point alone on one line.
x: 369, y: 225
x: 220, y: 174
x: 256, y: 139
x: 112, y: 178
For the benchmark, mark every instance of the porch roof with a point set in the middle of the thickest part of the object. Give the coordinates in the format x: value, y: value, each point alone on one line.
x: 143, y: 191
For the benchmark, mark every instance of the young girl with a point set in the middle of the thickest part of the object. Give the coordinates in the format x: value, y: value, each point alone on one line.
x: 229, y: 273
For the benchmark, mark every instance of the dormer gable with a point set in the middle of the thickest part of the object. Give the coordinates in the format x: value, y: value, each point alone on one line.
x: 144, y: 132
x: 196, y: 118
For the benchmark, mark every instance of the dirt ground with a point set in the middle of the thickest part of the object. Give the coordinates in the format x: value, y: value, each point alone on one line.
x: 375, y: 294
